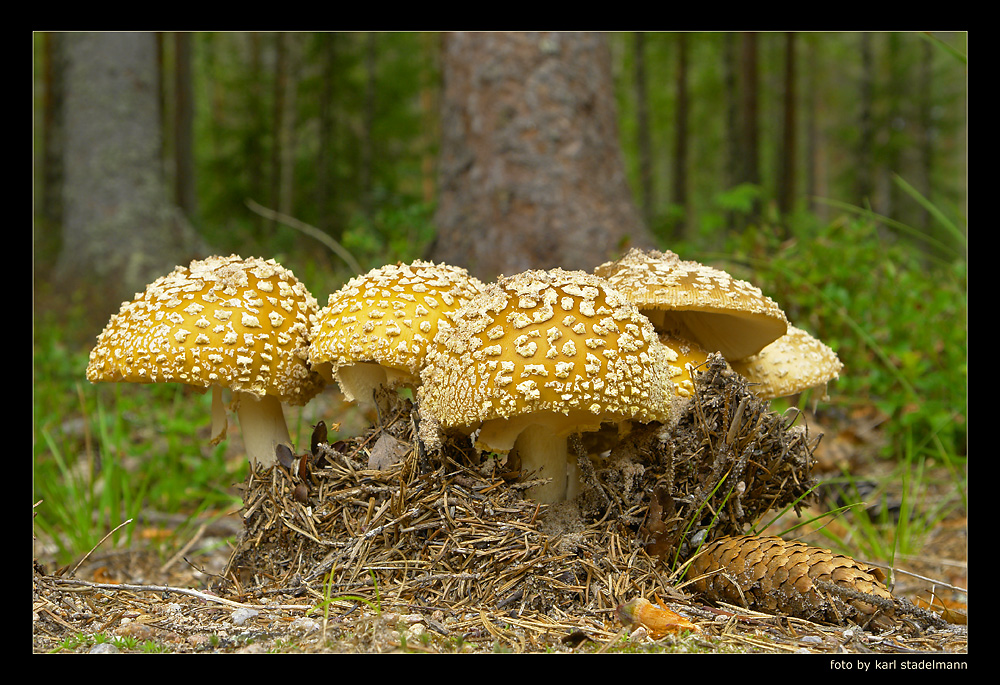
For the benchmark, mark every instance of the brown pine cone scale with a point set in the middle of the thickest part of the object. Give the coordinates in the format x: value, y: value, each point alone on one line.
x: 771, y: 575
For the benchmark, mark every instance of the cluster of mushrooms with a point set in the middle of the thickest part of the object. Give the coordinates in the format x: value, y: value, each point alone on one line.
x: 518, y: 365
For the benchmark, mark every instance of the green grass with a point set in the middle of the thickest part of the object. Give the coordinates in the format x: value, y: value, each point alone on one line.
x: 103, y: 454
x: 875, y: 529
x: 82, y: 641
x: 892, y: 302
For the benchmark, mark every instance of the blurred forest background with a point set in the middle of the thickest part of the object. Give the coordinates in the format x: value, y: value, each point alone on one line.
x: 830, y: 169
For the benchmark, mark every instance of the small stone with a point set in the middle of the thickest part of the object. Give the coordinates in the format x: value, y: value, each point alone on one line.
x: 241, y: 616
x: 104, y: 648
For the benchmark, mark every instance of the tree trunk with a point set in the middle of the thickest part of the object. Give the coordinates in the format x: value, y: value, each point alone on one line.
x: 289, y: 122
x: 531, y: 171
x: 749, y: 134
x: 925, y: 140
x: 278, y: 113
x: 184, y: 175
x: 644, y: 137
x: 865, y: 153
x: 748, y: 108
x: 326, y: 188
x: 680, y: 197
x: 255, y: 153
x: 730, y: 78
x: 814, y: 164
x: 429, y: 108
x: 789, y: 132
x: 367, y: 139
x: 49, y: 165
x: 120, y: 229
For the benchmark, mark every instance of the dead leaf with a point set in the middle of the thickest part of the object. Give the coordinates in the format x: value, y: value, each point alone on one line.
x: 386, y: 452
x: 657, y: 620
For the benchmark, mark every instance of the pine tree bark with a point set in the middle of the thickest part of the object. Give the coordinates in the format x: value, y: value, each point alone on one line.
x: 787, y: 191
x: 643, y: 134
x: 531, y: 172
x: 680, y: 195
x: 749, y: 133
x: 185, y: 194
x: 120, y: 229
x: 748, y: 108
x: 866, y: 133
x: 730, y: 79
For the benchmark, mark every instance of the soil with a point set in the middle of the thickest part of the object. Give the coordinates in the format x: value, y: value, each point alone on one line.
x: 374, y: 546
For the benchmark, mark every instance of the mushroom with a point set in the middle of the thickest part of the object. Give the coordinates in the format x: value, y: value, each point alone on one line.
x: 690, y: 356
x: 697, y: 302
x: 375, y: 331
x: 221, y: 322
x: 539, y: 356
x: 791, y: 364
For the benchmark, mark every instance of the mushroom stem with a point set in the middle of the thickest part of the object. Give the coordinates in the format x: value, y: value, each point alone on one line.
x: 359, y: 380
x: 262, y: 422
x: 544, y: 454
x: 220, y: 423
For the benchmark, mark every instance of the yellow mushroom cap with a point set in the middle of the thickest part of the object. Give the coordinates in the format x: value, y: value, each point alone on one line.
x: 553, y: 346
x: 794, y: 362
x: 697, y: 302
x: 378, y: 327
x: 683, y: 369
x: 221, y: 321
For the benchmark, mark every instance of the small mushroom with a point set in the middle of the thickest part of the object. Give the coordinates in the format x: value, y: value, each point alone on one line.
x: 697, y: 302
x: 791, y: 364
x: 683, y: 369
x: 375, y: 331
x: 221, y: 322
x: 539, y: 356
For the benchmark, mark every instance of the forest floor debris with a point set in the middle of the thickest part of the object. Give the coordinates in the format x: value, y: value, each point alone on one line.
x: 374, y: 544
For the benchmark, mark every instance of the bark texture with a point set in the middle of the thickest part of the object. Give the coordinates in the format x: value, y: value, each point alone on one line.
x: 531, y: 171
x: 120, y: 228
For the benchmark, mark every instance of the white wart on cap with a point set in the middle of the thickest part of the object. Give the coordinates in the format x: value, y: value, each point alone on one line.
x: 376, y: 330
x: 539, y: 356
x: 697, y: 302
x: 793, y: 363
x: 221, y: 322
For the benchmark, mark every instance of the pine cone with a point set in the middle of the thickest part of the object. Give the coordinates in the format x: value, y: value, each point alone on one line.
x: 771, y: 575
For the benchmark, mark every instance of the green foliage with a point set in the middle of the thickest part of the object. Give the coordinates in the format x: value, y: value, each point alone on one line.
x: 741, y: 198
x: 895, y: 314
x: 392, y: 233
x: 918, y: 115
x: 353, y: 133
x: 106, y: 453
x: 878, y: 530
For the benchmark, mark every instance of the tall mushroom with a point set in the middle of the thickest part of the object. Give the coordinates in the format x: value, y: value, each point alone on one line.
x: 375, y: 331
x: 220, y: 322
x: 539, y: 356
x: 696, y: 302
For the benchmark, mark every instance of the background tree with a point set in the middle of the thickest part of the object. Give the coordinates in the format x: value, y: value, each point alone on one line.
x: 787, y: 187
x: 749, y: 92
x: 643, y: 133
x: 181, y: 113
x: 354, y: 146
x: 531, y: 169
x: 120, y: 228
x: 680, y: 157
x: 866, y: 134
